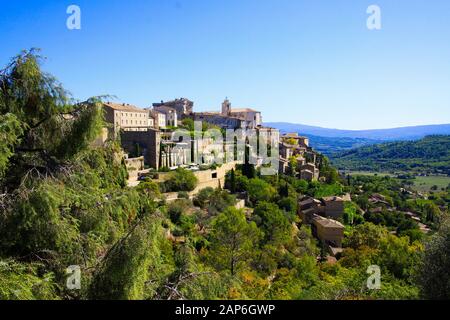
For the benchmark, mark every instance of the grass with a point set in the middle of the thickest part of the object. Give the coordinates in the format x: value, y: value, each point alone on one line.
x: 369, y: 173
x: 421, y: 184
x: 425, y: 184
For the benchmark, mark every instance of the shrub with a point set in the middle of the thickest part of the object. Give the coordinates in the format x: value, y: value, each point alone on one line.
x: 181, y: 180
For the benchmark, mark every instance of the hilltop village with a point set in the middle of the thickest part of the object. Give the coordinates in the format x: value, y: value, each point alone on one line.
x: 147, y: 137
x: 165, y: 202
x: 148, y: 133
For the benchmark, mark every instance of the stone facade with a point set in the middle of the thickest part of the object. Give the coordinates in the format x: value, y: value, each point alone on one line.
x: 333, y: 207
x: 251, y: 117
x: 183, y: 107
x: 171, y: 115
x: 134, y: 165
x: 126, y: 117
x: 309, y: 172
x: 149, y: 142
x: 213, y: 178
x: 159, y: 118
x: 330, y: 207
x: 299, y: 140
x: 220, y: 120
x: 330, y: 232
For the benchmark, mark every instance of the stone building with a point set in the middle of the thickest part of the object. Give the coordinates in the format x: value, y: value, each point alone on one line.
x: 133, y: 165
x: 309, y: 172
x: 182, y: 106
x: 307, y: 208
x: 251, y: 117
x: 333, y: 207
x: 307, y: 175
x: 159, y: 118
x: 171, y: 115
x: 148, y: 141
x: 299, y: 141
x: 328, y: 231
x: 124, y: 116
x: 330, y: 207
x: 218, y: 119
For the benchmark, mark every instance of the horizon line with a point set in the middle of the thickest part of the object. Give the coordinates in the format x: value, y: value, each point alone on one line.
x: 357, y: 130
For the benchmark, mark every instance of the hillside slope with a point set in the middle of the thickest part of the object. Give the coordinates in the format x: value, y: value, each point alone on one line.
x: 405, y: 133
x: 428, y: 155
x: 328, y: 145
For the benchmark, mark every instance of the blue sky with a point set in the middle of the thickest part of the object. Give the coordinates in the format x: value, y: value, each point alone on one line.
x: 305, y: 61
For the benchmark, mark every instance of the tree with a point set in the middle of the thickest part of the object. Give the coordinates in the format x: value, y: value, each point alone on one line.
x: 259, y: 190
x: 283, y: 190
x: 233, y: 240
x: 177, y: 208
x: 125, y: 268
x: 202, y: 198
x: 41, y: 128
x: 397, y: 256
x: 432, y: 212
x: 433, y: 273
x: 149, y: 188
x: 366, y: 234
x: 181, y: 180
x: 289, y: 205
x: 274, y: 224
x: 232, y: 185
x: 10, y: 131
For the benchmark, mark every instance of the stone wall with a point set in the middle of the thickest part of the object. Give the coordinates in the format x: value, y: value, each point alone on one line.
x: 219, y: 120
x: 206, y: 178
x: 134, y: 165
x: 149, y: 141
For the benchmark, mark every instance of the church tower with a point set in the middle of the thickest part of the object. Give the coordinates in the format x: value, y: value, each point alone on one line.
x: 226, y: 107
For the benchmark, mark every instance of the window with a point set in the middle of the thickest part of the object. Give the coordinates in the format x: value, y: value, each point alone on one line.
x: 214, y: 175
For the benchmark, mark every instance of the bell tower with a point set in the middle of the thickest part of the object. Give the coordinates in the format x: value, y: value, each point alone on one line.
x: 226, y: 107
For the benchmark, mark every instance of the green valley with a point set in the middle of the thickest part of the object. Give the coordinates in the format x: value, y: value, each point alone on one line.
x: 428, y: 156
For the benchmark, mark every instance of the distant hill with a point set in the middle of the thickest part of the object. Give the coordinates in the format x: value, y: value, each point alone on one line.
x: 327, y: 145
x: 405, y: 133
x: 428, y: 155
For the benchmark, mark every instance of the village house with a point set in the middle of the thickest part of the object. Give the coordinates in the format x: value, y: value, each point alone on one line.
x: 307, y: 208
x: 171, y: 116
x: 333, y: 207
x: 330, y: 207
x: 328, y: 231
x: 159, y: 118
x: 251, y: 117
x: 218, y: 119
x: 124, y: 116
x: 295, y: 139
x: 294, y: 146
x: 309, y: 172
x: 322, y: 215
x: 182, y: 106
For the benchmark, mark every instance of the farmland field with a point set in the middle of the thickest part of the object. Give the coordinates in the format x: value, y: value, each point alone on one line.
x: 426, y: 183
x: 422, y: 184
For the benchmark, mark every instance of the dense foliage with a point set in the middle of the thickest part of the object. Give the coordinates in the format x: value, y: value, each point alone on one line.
x: 65, y: 202
x: 428, y: 155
